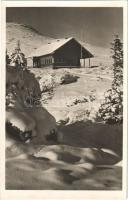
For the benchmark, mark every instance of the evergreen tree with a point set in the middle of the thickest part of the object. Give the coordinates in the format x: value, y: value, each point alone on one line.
x: 117, y: 48
x: 111, y: 111
x: 18, y: 58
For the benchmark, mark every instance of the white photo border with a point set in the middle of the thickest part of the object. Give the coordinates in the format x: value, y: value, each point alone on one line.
x: 53, y: 194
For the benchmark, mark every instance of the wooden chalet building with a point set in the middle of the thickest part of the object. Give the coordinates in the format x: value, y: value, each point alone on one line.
x: 65, y: 52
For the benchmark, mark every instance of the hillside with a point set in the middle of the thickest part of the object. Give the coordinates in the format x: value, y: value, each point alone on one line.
x: 102, y: 56
x: 29, y: 38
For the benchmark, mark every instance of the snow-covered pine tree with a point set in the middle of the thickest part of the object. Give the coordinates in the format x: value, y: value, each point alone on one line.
x: 111, y: 111
x: 18, y: 58
x: 19, y: 61
x: 117, y: 48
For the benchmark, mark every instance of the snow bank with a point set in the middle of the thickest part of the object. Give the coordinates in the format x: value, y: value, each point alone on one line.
x: 24, y: 111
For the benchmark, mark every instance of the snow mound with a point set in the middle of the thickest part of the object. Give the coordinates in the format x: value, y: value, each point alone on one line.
x: 24, y: 111
x: 20, y: 120
x: 70, y: 154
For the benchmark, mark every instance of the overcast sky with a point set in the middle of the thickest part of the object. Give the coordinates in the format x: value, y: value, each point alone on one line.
x: 93, y: 25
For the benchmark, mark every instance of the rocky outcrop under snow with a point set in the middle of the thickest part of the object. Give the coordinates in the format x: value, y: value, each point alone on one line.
x: 25, y: 116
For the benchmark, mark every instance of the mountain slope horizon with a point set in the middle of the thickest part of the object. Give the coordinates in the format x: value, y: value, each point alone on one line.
x: 31, y: 39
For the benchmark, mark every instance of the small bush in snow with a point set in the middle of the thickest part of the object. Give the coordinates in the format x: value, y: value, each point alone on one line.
x: 68, y: 78
x: 81, y: 100
x: 47, y: 84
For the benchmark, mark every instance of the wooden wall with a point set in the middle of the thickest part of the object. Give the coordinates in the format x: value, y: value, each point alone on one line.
x: 68, y: 55
x: 43, y: 61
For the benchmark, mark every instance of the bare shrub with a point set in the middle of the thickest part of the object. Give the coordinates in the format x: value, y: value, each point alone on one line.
x: 68, y: 78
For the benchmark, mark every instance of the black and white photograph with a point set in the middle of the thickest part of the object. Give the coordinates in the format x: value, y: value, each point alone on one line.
x: 64, y: 98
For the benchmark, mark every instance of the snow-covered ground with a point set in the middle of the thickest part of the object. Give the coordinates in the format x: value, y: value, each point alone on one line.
x: 85, y: 155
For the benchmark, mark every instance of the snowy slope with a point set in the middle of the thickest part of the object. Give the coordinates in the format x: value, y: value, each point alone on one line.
x: 29, y: 38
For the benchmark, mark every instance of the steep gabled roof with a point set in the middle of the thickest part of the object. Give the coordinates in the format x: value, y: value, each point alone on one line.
x: 52, y: 46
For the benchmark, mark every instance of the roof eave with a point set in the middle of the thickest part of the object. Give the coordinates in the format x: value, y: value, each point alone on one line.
x: 41, y: 55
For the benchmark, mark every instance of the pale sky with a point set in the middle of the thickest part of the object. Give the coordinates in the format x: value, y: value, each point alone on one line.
x: 93, y: 25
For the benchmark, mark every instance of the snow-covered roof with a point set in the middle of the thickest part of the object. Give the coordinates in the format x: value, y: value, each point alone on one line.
x: 52, y: 46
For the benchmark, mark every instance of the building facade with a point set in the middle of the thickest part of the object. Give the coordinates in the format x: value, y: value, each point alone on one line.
x: 59, y: 53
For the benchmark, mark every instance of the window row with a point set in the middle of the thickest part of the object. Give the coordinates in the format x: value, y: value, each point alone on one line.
x: 46, y: 61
